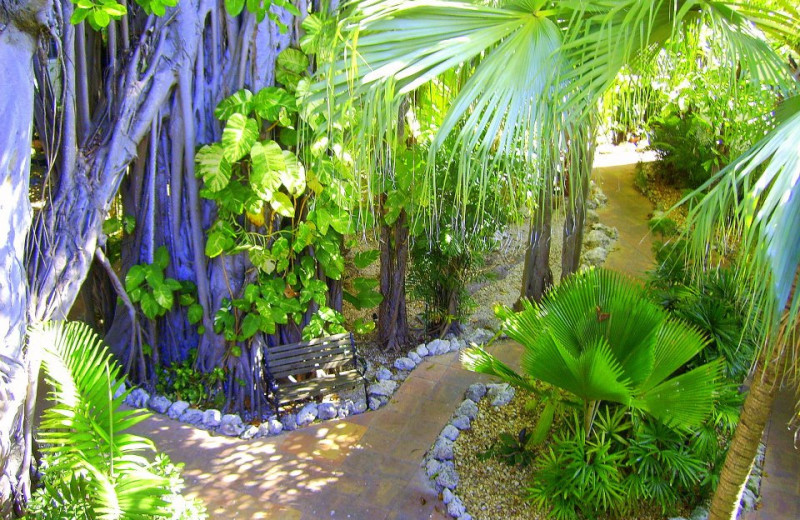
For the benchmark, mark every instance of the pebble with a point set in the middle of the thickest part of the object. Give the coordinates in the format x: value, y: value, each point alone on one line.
x: 461, y: 422
x: 159, y: 403
x: 595, y: 256
x: 212, y: 418
x: 447, y: 477
x: 250, y: 432
x: 447, y: 496
x: 327, y: 411
x: 422, y: 351
x: 138, y: 398
x: 383, y: 374
x: 374, y: 403
x: 192, y: 416
x: 404, y: 363
x: 443, y: 449
x: 432, y: 467
x: 413, y: 356
x: 382, y: 388
x: 450, y: 432
x: 231, y: 425
x: 289, y: 422
x: 275, y: 426
x: 456, y: 508
x: 468, y: 408
x: 476, y: 391
x: 177, y: 408
x: 438, y: 347
x: 500, y: 394
x: 307, y: 414
x: 359, y: 407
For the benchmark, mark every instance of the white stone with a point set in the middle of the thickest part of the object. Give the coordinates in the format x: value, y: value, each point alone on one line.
x: 231, y: 425
x: 413, y: 356
x: 382, y: 388
x: 177, y: 409
x: 404, y: 363
x: 468, y: 408
x: 327, y: 411
x: 422, y: 350
x: 476, y: 391
x: 159, y: 403
x: 450, y: 432
x: 307, y: 414
x: 192, y: 416
x: 212, y: 418
x: 383, y: 374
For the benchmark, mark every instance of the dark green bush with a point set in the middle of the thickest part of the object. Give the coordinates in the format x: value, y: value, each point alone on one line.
x: 181, y: 381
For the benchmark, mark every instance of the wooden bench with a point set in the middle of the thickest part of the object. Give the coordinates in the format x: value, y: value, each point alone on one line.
x: 312, y: 369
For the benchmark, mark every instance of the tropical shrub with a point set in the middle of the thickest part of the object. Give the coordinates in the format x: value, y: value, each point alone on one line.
x: 711, y: 302
x: 632, y: 463
x: 598, y: 337
x: 93, y: 469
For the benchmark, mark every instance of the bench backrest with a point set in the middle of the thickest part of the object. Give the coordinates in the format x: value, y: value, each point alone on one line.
x: 307, y: 356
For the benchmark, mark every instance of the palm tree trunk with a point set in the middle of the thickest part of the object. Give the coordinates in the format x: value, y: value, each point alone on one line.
x: 755, y: 414
x: 537, y: 276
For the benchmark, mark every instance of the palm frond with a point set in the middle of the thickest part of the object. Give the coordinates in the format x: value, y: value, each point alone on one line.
x: 83, y: 430
x: 478, y: 360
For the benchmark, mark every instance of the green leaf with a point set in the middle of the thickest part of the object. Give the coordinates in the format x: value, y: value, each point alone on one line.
x: 395, y: 203
x: 134, y: 278
x: 250, y: 325
x: 251, y: 293
x: 234, y: 7
x: 292, y: 60
x: 238, y: 103
x: 150, y: 307
x: 79, y: 15
x: 267, y: 161
x: 216, y: 244
x: 238, y: 137
x: 195, y: 313
x: 114, y: 9
x: 293, y: 175
x: 323, y: 219
x: 213, y: 167
x: 100, y: 18
x: 153, y: 275
x: 269, y: 101
x: 365, y: 258
x: 287, y: 78
x: 163, y: 296
x: 161, y: 257
x: 282, y: 204
x: 362, y: 326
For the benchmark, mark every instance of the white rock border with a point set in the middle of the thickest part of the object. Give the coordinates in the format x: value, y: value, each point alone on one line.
x: 379, y: 393
x: 439, y: 466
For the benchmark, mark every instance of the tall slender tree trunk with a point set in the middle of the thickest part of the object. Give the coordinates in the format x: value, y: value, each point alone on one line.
x: 537, y: 276
x: 580, y: 160
x: 19, y: 25
x: 392, y: 316
x: 753, y: 420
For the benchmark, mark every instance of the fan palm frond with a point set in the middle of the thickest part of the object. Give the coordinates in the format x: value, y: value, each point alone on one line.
x: 598, y: 337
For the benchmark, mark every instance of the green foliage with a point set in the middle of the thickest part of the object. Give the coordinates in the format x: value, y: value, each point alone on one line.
x: 662, y: 225
x: 181, y: 381
x: 94, y: 469
x: 598, y: 337
x: 711, y: 302
x: 155, y: 293
x: 511, y: 449
x: 289, y: 220
x: 632, y: 463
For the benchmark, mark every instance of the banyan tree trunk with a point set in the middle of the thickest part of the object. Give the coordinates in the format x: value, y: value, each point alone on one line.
x: 537, y: 276
x: 392, y: 316
x: 18, y: 24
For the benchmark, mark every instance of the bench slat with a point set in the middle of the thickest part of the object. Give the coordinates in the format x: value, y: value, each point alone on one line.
x: 344, y: 337
x: 277, y: 359
x: 305, y: 366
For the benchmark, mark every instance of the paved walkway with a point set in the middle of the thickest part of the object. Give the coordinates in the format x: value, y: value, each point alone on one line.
x: 363, y: 467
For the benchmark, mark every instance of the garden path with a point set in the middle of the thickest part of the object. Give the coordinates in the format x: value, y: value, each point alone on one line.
x: 368, y: 466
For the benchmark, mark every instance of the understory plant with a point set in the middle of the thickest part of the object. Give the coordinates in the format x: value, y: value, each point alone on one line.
x: 92, y: 467
x: 598, y: 337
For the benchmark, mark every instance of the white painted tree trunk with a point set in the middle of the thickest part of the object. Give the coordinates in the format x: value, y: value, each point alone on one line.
x: 16, y: 112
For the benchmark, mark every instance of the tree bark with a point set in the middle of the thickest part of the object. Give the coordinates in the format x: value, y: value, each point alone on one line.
x: 753, y: 420
x: 578, y: 167
x: 537, y: 276
x: 392, y: 316
x: 19, y: 25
